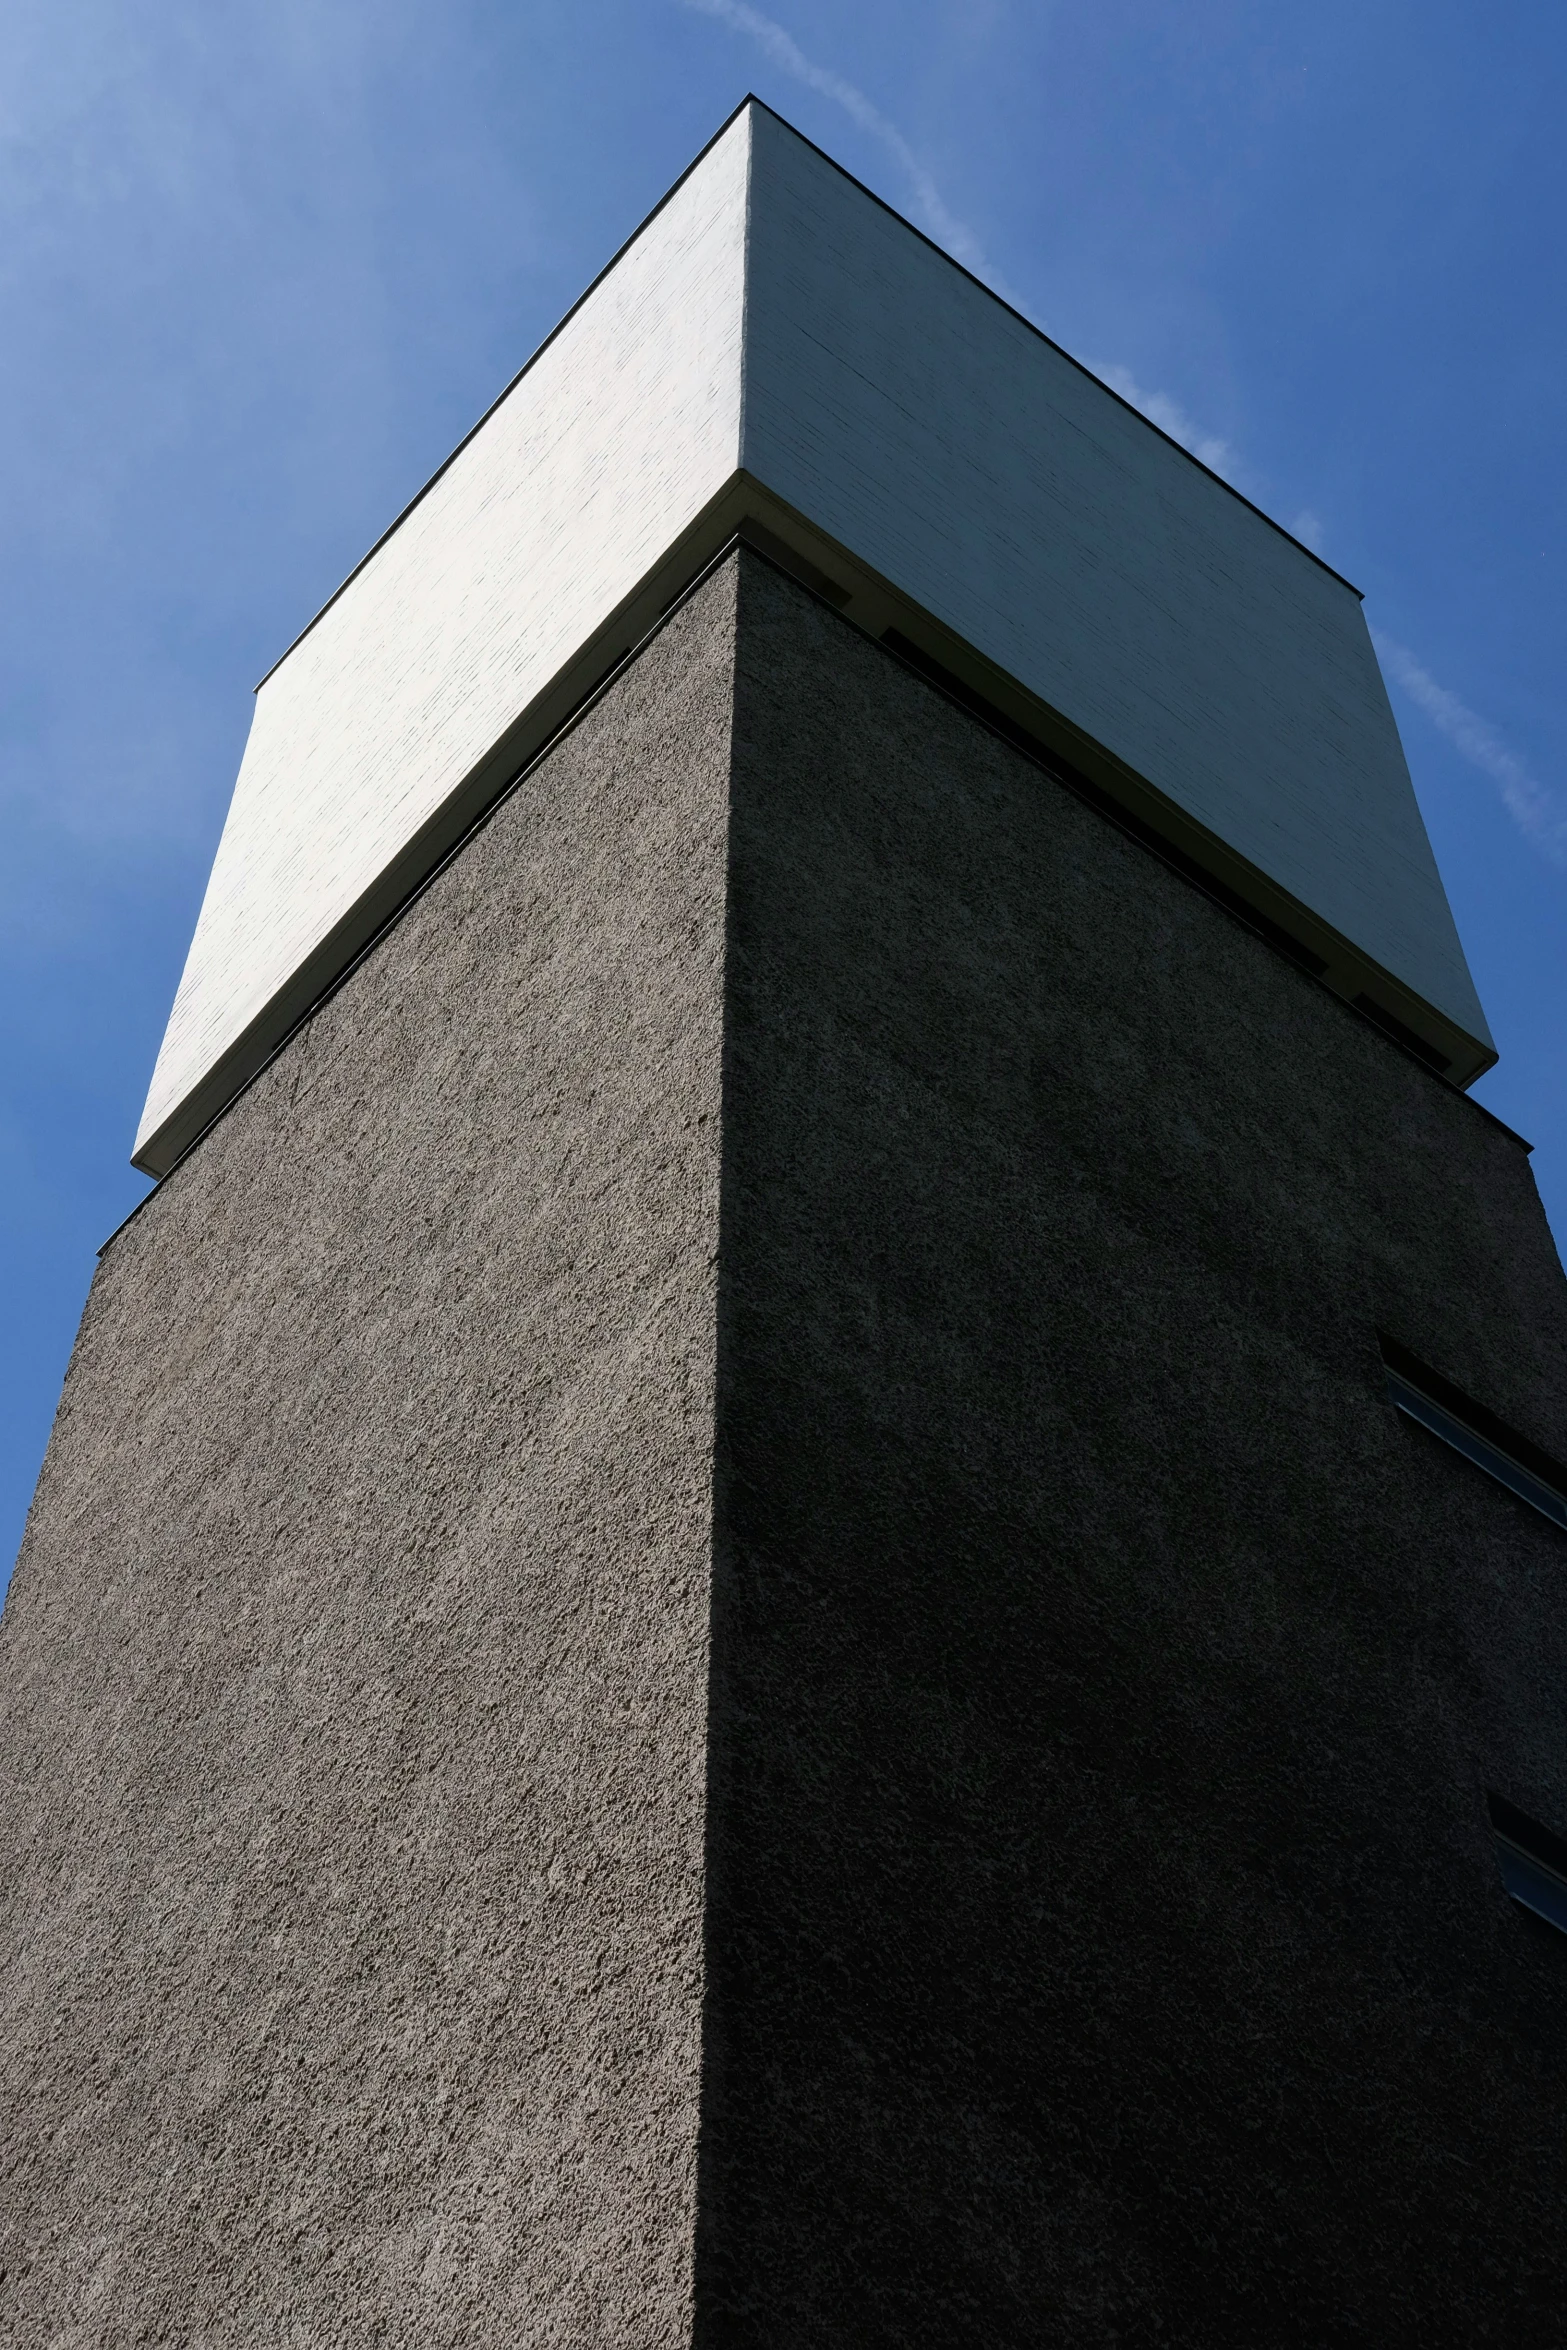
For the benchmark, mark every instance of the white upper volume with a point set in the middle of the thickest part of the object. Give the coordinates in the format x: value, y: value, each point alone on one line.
x: 772, y: 324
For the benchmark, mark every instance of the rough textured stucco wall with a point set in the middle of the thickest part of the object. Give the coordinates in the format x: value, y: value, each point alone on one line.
x: 1105, y: 1943
x: 353, y: 1672
x: 1066, y: 1913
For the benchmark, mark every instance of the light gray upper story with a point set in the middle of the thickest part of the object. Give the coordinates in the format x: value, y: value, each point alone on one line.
x: 774, y: 347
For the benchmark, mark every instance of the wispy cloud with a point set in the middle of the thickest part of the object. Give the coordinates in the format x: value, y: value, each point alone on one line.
x: 787, y: 54
x: 1220, y: 456
x: 1172, y: 418
x: 1537, y: 812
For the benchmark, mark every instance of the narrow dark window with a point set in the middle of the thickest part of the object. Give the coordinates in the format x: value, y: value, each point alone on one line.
x: 1533, y: 1861
x: 1478, y: 1434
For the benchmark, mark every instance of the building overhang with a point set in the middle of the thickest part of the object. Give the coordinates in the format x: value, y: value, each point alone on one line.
x: 778, y: 357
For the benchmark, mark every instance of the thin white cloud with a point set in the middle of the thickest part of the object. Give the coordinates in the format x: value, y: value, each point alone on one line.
x: 786, y: 53
x: 1533, y: 809
x: 1172, y: 418
x: 1537, y: 812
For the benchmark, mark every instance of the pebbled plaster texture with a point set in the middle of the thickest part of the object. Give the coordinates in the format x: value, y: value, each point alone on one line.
x: 1105, y: 1943
x: 352, y: 1677
x: 726, y: 1640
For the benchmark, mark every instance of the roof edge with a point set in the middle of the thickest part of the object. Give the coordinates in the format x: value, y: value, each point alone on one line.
x: 1049, y: 340
x: 536, y: 354
x: 728, y: 123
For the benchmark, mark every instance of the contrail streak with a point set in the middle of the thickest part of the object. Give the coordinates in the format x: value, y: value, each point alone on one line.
x: 786, y: 53
x: 1536, y: 811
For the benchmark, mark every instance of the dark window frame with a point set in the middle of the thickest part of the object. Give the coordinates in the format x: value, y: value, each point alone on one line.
x: 1533, y: 1862
x: 1446, y: 1412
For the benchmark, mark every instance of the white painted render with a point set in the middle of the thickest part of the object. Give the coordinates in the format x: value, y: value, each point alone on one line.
x: 923, y: 424
x: 773, y: 317
x: 625, y: 424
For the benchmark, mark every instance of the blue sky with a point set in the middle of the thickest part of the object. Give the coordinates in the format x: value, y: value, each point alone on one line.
x: 263, y: 264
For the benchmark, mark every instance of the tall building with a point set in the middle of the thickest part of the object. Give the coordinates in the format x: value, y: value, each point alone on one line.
x: 804, y: 1584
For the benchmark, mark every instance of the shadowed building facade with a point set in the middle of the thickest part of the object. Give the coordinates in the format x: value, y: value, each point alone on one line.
x: 730, y: 1635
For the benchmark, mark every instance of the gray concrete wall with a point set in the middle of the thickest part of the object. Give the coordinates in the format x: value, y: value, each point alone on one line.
x: 726, y: 1639
x: 1105, y: 1942
x: 352, y: 1677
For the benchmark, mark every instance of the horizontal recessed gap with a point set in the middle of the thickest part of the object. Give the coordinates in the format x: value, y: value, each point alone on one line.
x: 1002, y: 723
x: 1409, y: 1038
x: 767, y: 542
x: 1424, y: 1395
